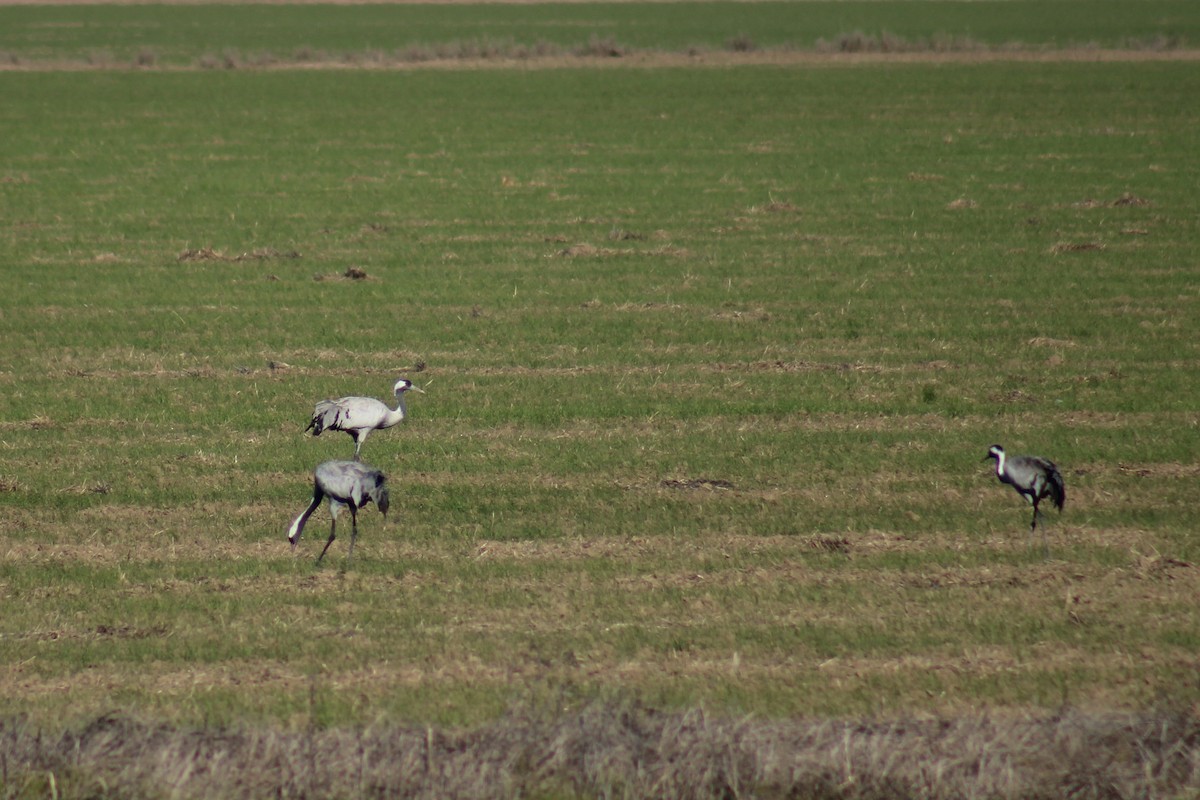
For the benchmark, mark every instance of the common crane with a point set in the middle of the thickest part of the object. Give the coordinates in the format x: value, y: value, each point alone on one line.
x: 347, y: 484
x: 358, y: 416
x: 1035, y: 478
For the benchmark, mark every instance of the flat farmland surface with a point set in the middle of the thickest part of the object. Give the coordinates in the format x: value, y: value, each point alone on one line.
x: 711, y: 357
x: 219, y: 35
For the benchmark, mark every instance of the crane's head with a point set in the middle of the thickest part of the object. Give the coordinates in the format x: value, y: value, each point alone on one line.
x: 995, y: 451
x: 404, y: 384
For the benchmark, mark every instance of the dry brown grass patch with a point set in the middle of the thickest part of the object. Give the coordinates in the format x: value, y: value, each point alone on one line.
x: 623, y: 749
x: 212, y: 254
x: 1076, y: 247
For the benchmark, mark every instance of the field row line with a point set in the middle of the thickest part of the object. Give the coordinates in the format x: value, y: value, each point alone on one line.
x: 645, y: 60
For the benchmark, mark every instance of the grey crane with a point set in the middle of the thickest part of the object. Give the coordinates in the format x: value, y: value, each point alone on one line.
x: 347, y: 484
x: 358, y: 416
x: 1035, y: 478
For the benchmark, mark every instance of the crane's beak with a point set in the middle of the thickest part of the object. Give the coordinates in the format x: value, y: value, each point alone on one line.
x: 417, y: 389
x: 988, y: 456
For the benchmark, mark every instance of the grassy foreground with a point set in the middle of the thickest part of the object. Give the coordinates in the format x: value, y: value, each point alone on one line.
x: 712, y: 357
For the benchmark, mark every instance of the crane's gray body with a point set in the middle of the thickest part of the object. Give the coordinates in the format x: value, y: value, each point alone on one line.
x: 347, y: 484
x: 358, y: 416
x: 1035, y: 478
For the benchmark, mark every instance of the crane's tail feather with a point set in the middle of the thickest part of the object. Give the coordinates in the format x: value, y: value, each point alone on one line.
x: 325, y: 415
x: 1058, y: 491
x: 318, y: 423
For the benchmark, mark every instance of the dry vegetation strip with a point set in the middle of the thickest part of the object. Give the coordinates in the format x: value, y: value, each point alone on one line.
x: 620, y: 749
x: 620, y: 57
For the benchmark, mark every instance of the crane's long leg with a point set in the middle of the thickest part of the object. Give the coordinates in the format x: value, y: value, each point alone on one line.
x: 353, y: 533
x: 1033, y: 528
x: 300, y: 521
x: 333, y: 512
x: 359, y: 438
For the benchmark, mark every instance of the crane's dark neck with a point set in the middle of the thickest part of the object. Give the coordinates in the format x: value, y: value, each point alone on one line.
x: 396, y: 415
x: 298, y: 524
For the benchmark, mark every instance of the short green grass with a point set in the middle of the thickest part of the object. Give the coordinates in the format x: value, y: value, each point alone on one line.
x: 711, y: 358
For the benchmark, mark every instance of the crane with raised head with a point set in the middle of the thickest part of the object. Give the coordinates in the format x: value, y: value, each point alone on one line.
x: 358, y: 416
x: 1035, y: 478
x: 347, y: 484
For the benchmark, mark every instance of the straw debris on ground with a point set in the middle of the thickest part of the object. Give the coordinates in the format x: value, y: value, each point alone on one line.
x: 618, y: 749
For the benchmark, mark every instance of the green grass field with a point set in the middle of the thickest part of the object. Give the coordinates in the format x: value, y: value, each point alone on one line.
x: 711, y: 358
x: 190, y: 34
